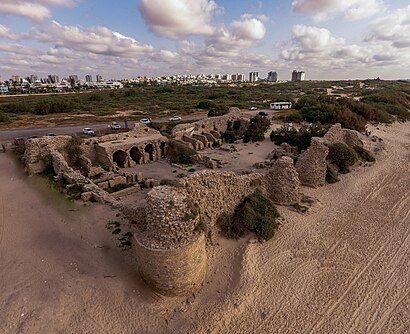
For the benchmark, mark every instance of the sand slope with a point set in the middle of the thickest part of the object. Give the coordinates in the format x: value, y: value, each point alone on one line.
x: 342, y: 268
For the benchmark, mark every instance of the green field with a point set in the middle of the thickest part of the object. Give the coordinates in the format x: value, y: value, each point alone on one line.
x: 384, y: 98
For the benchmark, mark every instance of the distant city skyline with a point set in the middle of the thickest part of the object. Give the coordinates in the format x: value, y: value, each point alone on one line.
x: 328, y: 39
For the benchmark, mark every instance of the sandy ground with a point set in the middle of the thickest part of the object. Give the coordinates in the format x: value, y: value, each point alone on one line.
x: 341, y: 268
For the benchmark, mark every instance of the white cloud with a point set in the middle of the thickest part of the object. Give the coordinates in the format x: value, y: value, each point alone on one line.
x: 393, y: 29
x: 98, y: 40
x: 316, y: 47
x: 326, y: 9
x: 176, y: 18
x: 5, y: 32
x: 36, y: 10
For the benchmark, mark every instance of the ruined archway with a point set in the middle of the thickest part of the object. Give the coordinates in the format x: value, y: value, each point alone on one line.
x: 150, y: 150
x: 120, y: 158
x: 162, y: 147
x: 136, y: 155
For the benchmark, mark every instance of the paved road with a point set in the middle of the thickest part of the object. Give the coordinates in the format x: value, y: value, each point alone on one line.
x: 8, y: 135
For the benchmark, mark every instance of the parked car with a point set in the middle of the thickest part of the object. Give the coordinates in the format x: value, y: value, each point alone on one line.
x: 263, y: 113
x: 115, y: 126
x: 19, y: 141
x: 88, y: 131
x: 32, y: 137
x: 145, y: 120
x: 175, y: 118
x: 51, y: 134
x: 253, y: 108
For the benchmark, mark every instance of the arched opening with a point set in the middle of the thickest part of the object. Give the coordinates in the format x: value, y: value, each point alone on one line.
x: 136, y: 155
x: 162, y: 147
x: 150, y: 150
x: 120, y: 158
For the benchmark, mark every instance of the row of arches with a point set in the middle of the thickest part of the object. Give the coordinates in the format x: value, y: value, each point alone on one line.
x: 121, y: 157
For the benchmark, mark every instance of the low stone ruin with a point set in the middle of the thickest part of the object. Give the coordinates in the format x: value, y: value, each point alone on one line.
x: 311, y: 165
x: 206, y: 132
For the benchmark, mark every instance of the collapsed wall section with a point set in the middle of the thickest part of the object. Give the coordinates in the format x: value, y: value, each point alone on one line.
x: 217, y: 193
x: 282, y: 182
x: 311, y: 165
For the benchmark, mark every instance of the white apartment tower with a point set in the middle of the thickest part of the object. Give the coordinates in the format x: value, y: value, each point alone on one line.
x: 272, y: 76
x: 253, y: 76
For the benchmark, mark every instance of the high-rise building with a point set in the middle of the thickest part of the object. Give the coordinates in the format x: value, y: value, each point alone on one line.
x: 253, y: 76
x: 272, y: 76
x: 88, y: 78
x: 73, y: 78
x: 238, y: 77
x: 15, y: 78
x: 99, y: 78
x: 226, y: 77
x: 298, y: 76
x: 53, y: 78
x: 33, y: 78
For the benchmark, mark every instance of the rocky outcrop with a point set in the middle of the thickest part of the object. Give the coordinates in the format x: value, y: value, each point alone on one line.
x: 282, y: 182
x: 311, y: 165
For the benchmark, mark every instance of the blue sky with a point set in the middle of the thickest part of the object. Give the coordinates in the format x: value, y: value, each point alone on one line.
x: 328, y: 39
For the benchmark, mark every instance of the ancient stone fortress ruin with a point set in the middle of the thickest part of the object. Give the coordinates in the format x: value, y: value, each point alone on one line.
x: 171, y: 242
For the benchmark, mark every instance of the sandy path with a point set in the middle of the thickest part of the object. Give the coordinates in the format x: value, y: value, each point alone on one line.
x: 343, y: 268
x: 55, y: 257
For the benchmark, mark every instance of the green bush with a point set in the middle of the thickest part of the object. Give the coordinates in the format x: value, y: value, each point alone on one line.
x: 4, y: 117
x: 364, y: 154
x: 74, y: 150
x: 342, y: 156
x: 331, y: 175
x: 18, y: 151
x: 301, y: 138
x: 256, y: 213
x: 294, y: 117
x: 179, y: 153
x: 219, y: 111
x: 257, y: 129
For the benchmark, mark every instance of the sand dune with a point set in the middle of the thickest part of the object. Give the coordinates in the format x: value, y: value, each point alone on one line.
x: 341, y: 268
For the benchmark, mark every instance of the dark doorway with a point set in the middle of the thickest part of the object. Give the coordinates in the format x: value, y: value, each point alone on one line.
x: 150, y: 150
x: 162, y: 147
x: 120, y: 158
x: 136, y: 155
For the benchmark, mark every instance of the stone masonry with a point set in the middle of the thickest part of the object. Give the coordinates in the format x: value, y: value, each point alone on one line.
x: 311, y: 165
x: 282, y: 182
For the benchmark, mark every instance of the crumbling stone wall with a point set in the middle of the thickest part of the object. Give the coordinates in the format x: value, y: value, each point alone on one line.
x: 336, y: 134
x: 311, y: 165
x: 219, y: 192
x: 171, y: 218
x: 40, y: 152
x: 282, y: 182
x: 173, y: 272
x: 207, y: 125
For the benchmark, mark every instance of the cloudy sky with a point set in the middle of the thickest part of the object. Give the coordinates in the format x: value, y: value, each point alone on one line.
x: 328, y: 39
